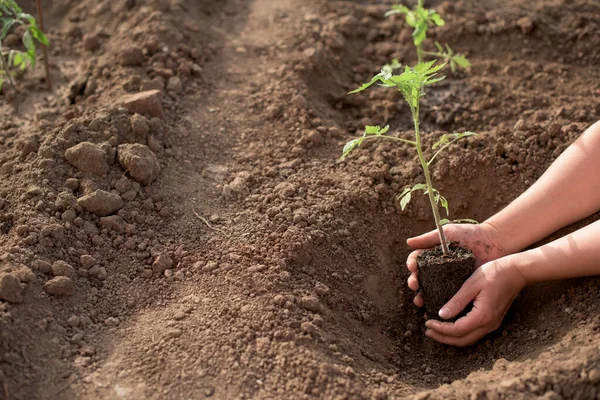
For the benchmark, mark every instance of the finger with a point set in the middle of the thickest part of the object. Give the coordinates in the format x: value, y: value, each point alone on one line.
x: 457, y: 341
x: 424, y: 241
x: 471, y: 322
x: 418, y: 301
x: 460, y: 300
x: 413, y: 282
x: 411, y: 261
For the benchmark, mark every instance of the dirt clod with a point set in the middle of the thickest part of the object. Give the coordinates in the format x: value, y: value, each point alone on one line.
x: 140, y: 162
x: 88, y: 157
x: 10, y: 288
x: 101, y: 203
x: 60, y: 286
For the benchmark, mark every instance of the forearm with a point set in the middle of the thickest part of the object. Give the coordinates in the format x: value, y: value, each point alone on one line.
x: 571, y: 256
x: 567, y: 192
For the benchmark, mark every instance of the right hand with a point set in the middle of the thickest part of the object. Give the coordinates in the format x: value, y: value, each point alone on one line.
x: 482, y: 239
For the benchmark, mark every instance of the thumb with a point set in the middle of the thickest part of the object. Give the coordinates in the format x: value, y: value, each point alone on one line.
x: 460, y: 300
x: 424, y: 241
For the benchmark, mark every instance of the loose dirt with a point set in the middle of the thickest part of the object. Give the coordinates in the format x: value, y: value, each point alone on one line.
x: 175, y: 222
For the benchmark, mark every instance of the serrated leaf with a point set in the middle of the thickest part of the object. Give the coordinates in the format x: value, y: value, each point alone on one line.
x: 372, y: 129
x: 384, y: 130
x: 366, y: 85
x: 420, y: 33
x: 411, y: 19
x: 405, y: 200
x: 406, y: 190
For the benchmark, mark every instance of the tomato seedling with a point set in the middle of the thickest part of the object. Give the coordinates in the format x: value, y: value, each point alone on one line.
x: 421, y: 19
x: 11, y: 15
x: 410, y: 84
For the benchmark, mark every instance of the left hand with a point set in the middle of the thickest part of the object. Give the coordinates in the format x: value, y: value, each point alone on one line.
x: 493, y: 287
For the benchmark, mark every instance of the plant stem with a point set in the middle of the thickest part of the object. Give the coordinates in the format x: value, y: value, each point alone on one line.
x: 4, y: 66
x: 44, y: 48
x: 425, y: 166
x: 419, y: 54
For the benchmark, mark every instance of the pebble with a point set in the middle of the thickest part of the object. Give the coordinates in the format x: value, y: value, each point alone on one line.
x: 131, y: 56
x: 162, y: 263
x: 140, y: 162
x: 148, y: 102
x: 60, y: 286
x: 88, y: 157
x: 101, y: 203
x: 61, y: 268
x: 10, y: 288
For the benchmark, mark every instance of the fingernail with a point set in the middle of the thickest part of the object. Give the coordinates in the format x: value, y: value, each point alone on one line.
x: 428, y: 324
x: 428, y: 332
x: 444, y: 313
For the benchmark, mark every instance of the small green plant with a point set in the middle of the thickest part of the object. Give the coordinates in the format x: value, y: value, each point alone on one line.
x: 11, y: 15
x: 421, y: 19
x: 410, y: 84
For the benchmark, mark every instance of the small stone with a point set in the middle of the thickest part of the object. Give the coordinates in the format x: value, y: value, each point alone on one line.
x: 285, y: 189
x: 61, y: 268
x: 68, y: 216
x: 173, y: 333
x: 210, y: 266
x: 309, y: 327
x: 154, y: 84
x: 174, y: 85
x: 60, y: 286
x: 83, y: 362
x: 131, y: 56
x: 321, y: 289
x: 74, y: 320
x: 72, y: 183
x: 148, y: 102
x: 101, y: 203
x: 310, y: 303
x: 141, y: 163
x: 123, y: 184
x: 86, y: 261
x: 111, y: 321
x: 594, y: 376
x: 42, y: 266
x: 91, y: 42
x: 113, y: 222
x: 162, y: 263
x: 10, y: 288
x: 102, y: 273
x: 141, y: 127
x: 315, y: 137
x: 179, y: 316
x: 526, y: 24
x: 88, y: 157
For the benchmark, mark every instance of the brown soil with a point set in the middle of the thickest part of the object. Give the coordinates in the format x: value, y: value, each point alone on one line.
x: 239, y: 257
x: 441, y: 276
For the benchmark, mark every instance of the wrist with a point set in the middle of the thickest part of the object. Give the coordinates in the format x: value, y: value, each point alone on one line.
x: 496, y: 237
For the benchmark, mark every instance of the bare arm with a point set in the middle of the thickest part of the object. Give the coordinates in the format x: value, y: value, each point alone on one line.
x: 567, y: 192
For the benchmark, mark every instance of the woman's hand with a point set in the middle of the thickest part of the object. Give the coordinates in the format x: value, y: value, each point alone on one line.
x: 492, y: 288
x: 482, y: 239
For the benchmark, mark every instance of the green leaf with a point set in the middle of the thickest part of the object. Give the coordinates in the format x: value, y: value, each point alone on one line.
x: 437, y: 19
x: 420, y: 33
x: 372, y: 130
x: 419, y: 186
x: 376, y: 78
x: 444, y: 204
x: 462, y: 61
x: 350, y: 146
x: 405, y: 200
x: 444, y: 221
x: 397, y: 9
x: 411, y: 19
x: 6, y: 25
x: 38, y: 35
